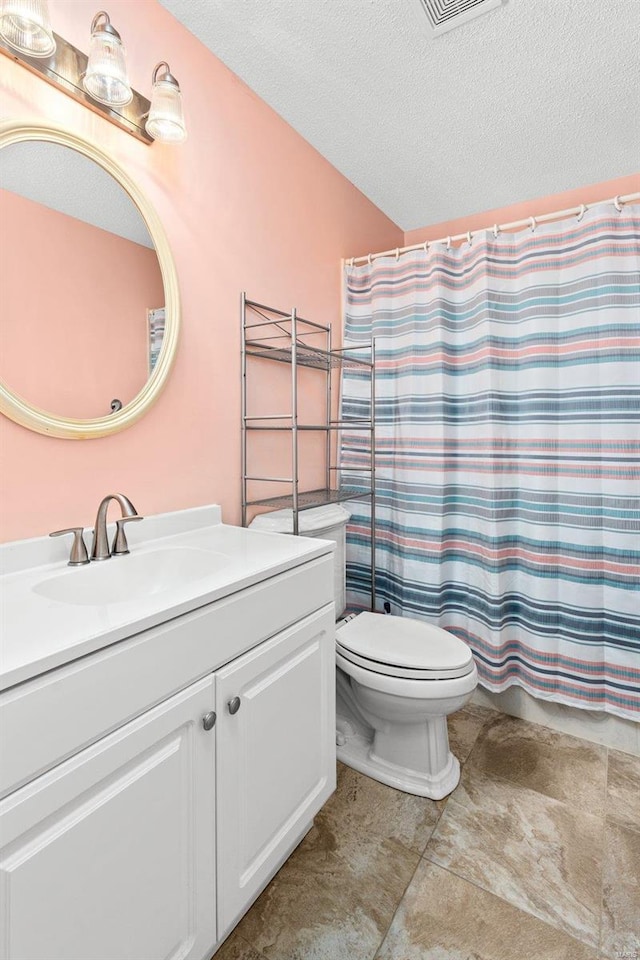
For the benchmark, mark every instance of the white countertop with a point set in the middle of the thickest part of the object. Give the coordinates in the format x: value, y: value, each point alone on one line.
x: 39, y: 634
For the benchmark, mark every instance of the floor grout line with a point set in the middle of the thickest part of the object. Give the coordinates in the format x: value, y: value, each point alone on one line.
x: 252, y: 947
x: 506, y: 780
x: 421, y: 856
x: 520, y: 909
x: 243, y: 941
x: 393, y: 916
x: 604, y: 839
x: 623, y: 824
x: 526, y: 913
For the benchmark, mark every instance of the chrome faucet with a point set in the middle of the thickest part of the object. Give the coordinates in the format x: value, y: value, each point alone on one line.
x: 100, y: 549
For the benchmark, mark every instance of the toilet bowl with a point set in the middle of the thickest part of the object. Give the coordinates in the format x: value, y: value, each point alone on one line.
x: 398, y: 680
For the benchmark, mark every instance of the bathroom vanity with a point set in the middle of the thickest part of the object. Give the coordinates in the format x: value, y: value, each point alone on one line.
x: 167, y: 734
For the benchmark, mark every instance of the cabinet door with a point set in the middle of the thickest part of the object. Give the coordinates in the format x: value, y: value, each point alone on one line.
x: 110, y: 855
x: 276, y: 755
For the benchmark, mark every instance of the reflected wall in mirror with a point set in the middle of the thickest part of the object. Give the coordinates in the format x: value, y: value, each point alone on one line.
x: 95, y: 276
x: 82, y: 290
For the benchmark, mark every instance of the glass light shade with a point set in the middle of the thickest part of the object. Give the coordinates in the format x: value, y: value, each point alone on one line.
x: 106, y: 77
x: 166, y: 120
x: 26, y: 26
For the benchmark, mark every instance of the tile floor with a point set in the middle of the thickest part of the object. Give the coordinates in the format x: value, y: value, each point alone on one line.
x: 535, y: 856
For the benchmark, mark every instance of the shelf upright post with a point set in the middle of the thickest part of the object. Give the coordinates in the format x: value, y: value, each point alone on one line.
x: 243, y: 404
x: 294, y: 420
x: 329, y: 438
x: 373, y: 473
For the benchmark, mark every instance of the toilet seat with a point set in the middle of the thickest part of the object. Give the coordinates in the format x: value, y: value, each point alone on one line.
x: 403, y: 647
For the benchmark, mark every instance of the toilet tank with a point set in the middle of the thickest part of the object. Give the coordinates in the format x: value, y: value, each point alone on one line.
x: 327, y: 523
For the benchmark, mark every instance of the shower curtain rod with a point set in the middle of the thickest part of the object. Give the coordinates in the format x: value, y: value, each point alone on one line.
x: 618, y: 202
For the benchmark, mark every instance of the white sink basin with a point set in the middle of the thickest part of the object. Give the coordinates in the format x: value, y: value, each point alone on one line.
x: 132, y: 577
x: 52, y: 614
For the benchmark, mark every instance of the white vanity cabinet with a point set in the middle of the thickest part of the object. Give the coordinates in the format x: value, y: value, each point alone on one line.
x: 110, y: 855
x: 152, y: 841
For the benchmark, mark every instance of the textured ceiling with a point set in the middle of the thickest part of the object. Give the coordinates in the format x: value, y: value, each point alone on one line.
x: 536, y: 97
x: 64, y: 180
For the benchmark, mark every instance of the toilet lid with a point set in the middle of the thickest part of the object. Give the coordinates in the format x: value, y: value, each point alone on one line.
x: 401, y: 646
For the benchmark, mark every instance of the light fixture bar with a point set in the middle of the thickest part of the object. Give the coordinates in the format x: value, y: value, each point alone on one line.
x: 65, y: 68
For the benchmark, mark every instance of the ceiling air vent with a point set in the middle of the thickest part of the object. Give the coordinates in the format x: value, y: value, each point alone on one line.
x: 447, y: 14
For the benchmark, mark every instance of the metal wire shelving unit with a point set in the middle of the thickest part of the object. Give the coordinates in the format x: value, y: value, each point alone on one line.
x: 275, y: 335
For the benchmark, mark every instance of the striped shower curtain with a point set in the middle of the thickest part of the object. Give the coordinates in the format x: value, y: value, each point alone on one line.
x: 508, y: 454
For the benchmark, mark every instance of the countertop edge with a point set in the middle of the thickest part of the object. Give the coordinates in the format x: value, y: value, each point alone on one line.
x: 32, y: 669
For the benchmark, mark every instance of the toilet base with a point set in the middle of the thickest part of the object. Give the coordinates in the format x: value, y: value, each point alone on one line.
x: 355, y: 752
x: 414, y: 757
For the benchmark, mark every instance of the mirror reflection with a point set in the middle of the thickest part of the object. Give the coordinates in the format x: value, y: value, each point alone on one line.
x: 82, y: 296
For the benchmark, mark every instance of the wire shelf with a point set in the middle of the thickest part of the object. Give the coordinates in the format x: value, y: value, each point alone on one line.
x: 346, y: 426
x: 306, y: 356
x: 312, y: 498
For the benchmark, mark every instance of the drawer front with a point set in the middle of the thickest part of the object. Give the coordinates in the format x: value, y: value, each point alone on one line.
x: 48, y: 719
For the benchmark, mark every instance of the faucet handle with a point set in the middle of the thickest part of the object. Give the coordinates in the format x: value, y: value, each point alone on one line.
x: 120, y: 546
x: 79, y: 555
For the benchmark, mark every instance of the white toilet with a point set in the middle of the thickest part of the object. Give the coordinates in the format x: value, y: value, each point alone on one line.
x: 397, y: 681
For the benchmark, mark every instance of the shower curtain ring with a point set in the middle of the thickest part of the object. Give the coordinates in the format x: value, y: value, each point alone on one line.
x: 582, y: 212
x: 533, y: 222
x: 449, y: 243
x: 617, y: 204
x: 426, y: 246
x: 369, y: 259
x: 397, y: 253
x: 469, y: 237
x: 496, y: 230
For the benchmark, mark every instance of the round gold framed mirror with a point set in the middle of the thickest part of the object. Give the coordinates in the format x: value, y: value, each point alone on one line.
x: 47, y: 383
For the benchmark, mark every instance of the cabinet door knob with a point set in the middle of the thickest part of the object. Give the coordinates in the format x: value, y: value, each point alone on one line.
x: 209, y: 719
x: 234, y: 705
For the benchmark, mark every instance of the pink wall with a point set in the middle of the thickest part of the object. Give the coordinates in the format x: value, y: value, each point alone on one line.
x: 247, y: 204
x: 528, y: 208
x: 69, y: 341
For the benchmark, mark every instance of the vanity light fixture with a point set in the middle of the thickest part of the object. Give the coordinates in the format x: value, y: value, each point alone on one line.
x: 106, y: 78
x: 166, y: 120
x: 25, y: 25
x: 99, y: 80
